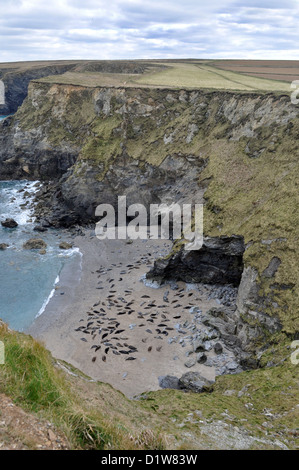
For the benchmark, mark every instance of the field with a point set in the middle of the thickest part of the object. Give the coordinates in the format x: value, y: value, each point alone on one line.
x: 264, y: 76
x: 283, y: 70
x: 235, y: 75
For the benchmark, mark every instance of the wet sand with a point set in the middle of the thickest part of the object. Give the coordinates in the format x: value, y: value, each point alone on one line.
x: 106, y: 322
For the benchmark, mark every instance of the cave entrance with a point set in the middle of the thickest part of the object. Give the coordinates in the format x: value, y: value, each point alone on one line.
x: 218, y: 262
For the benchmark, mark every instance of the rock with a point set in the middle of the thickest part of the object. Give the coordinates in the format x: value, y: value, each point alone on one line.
x: 190, y: 363
x: 35, y: 244
x: 3, y: 246
x: 51, y: 435
x: 271, y: 269
x: 165, y: 296
x: 229, y: 393
x: 219, y: 261
x: 218, y: 348
x: 232, y: 365
x: 195, y: 382
x: 169, y: 381
x: 9, y: 223
x: 207, y: 345
x: 201, y: 358
x: 42, y: 252
x: 65, y: 246
x: 197, y: 345
x: 39, y: 228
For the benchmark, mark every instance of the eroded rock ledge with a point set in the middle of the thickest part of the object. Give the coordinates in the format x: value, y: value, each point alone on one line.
x: 219, y: 261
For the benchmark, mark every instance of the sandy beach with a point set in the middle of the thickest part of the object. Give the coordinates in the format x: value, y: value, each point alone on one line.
x: 104, y: 320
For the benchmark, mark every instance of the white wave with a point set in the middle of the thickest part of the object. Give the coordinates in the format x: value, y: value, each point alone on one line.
x: 13, y: 199
x: 43, y: 308
x: 70, y: 252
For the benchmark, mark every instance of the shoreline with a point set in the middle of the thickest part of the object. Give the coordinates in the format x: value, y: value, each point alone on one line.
x: 106, y: 289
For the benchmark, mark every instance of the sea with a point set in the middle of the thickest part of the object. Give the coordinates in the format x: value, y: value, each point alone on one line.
x: 27, y: 277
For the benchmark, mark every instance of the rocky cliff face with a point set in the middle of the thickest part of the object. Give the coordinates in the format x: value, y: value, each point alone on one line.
x: 237, y: 153
x: 16, y: 83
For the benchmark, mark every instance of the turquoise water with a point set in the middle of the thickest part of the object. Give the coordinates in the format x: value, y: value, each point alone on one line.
x: 2, y: 117
x: 27, y: 278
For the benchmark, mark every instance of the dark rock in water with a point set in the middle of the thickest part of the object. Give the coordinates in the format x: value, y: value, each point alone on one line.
x: 65, y: 246
x: 9, y: 223
x: 35, y: 244
x: 195, y: 382
x: 169, y: 381
x: 3, y: 246
x: 218, y: 348
x: 39, y: 228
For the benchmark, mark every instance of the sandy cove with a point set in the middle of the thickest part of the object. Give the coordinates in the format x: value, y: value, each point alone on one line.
x: 106, y: 322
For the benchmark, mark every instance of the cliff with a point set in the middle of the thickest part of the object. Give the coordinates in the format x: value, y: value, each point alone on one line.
x: 237, y: 153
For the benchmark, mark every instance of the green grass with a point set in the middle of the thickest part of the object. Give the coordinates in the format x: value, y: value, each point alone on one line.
x: 189, y: 75
x: 31, y: 378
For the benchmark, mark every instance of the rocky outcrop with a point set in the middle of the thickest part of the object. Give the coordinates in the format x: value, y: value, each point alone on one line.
x: 16, y: 81
x: 195, y: 382
x: 34, y: 244
x: 9, y: 223
x: 219, y: 261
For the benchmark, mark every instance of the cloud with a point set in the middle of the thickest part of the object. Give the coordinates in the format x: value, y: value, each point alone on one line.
x: 119, y: 29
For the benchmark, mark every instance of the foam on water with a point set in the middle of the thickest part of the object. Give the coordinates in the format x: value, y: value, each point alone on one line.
x: 27, y: 278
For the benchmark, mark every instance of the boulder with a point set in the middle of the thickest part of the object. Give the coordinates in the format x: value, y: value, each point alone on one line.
x: 40, y: 228
x: 218, y: 348
x: 65, y: 245
x: 35, y: 244
x: 195, y: 382
x: 9, y: 223
x: 201, y: 358
x: 190, y: 363
x: 169, y: 381
x: 3, y: 246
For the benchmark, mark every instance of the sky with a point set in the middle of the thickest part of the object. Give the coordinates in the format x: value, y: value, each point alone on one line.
x: 148, y: 29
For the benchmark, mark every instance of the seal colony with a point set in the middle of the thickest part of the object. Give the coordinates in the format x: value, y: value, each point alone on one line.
x: 118, y: 328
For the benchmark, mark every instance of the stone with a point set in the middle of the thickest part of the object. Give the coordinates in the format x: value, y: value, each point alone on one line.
x: 271, y: 269
x: 3, y: 246
x: 65, y: 246
x: 201, y: 358
x: 40, y: 228
x: 190, y: 363
x: 169, y: 381
x: 229, y: 393
x: 232, y: 365
x: 195, y: 382
x: 34, y: 244
x: 197, y: 345
x: 9, y: 223
x: 207, y: 345
x: 218, y: 348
